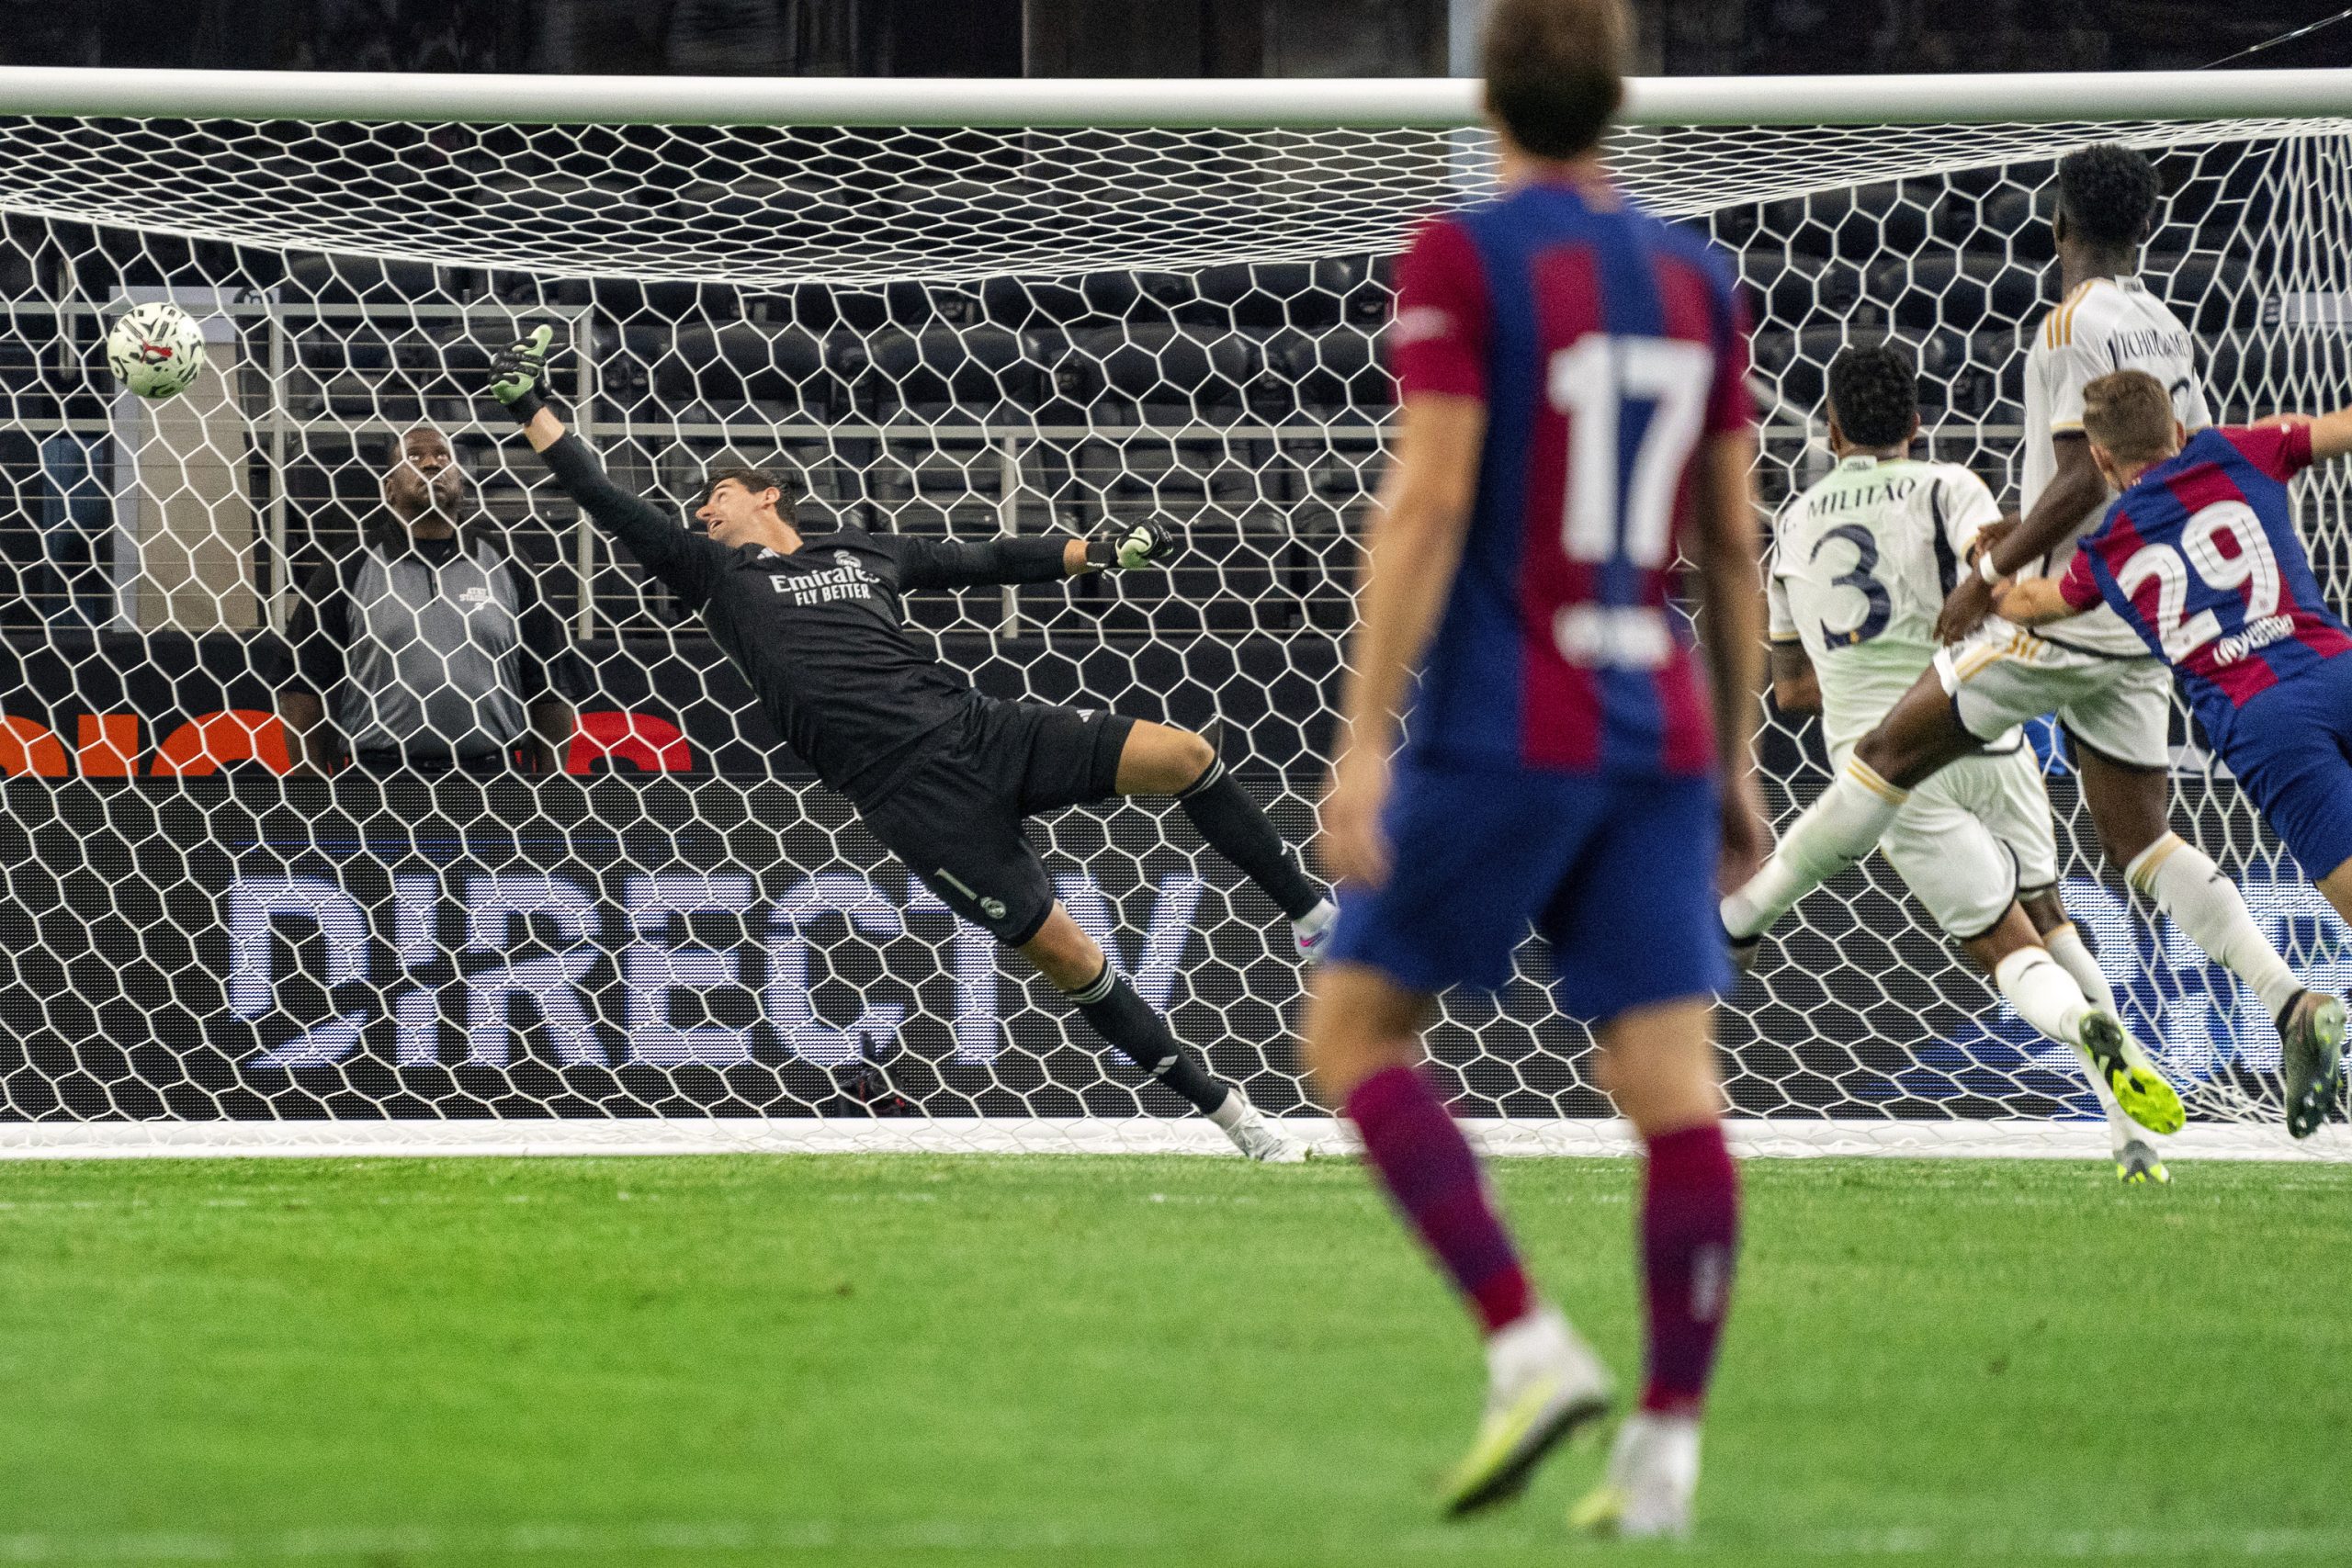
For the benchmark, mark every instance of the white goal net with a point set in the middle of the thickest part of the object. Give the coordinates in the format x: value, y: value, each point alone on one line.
x: 945, y: 330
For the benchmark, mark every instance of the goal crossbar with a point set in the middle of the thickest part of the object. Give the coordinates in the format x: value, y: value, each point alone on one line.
x: 2042, y: 97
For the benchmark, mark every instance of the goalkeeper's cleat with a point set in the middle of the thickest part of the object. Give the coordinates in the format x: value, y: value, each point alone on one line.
x: 2136, y: 1165
x: 1542, y: 1384
x: 1256, y: 1138
x: 1653, y: 1477
x: 1312, y: 930
x: 2310, y: 1035
x: 2143, y: 1093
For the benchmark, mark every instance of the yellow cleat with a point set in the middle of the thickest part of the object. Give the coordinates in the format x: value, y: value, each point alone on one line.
x: 2136, y: 1165
x: 1545, y: 1384
x: 1653, y: 1479
x: 1601, y: 1511
x: 2143, y: 1093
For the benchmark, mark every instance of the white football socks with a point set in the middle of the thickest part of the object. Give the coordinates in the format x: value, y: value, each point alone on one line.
x: 2044, y: 993
x: 1834, y: 832
x: 2212, y: 912
x: 2075, y: 956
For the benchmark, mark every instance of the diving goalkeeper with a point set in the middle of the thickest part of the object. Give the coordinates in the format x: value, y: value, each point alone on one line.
x: 941, y: 774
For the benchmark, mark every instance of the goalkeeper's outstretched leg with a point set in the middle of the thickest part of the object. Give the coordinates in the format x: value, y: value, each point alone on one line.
x: 1076, y: 965
x: 1161, y: 760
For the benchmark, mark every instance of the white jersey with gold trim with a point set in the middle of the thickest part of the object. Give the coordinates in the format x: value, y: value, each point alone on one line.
x: 2107, y: 324
x: 1860, y: 564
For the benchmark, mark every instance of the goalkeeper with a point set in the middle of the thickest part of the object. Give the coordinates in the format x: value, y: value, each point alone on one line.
x: 941, y: 774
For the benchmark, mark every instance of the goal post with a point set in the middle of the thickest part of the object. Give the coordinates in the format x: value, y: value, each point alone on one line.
x: 957, y: 308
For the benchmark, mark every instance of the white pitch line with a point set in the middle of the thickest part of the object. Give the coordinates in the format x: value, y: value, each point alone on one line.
x: 1752, y: 1137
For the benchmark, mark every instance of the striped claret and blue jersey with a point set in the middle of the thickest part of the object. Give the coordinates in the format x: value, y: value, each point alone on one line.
x: 1608, y: 347
x: 2200, y: 558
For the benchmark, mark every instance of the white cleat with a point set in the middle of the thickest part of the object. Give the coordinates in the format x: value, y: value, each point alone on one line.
x: 1256, y: 1138
x: 1542, y: 1384
x: 1313, y: 928
x: 1653, y: 1477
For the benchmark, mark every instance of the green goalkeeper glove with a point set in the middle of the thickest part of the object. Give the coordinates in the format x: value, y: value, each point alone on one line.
x: 1123, y: 546
x: 517, y: 372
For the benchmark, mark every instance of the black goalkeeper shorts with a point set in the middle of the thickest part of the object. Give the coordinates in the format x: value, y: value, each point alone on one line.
x: 955, y: 820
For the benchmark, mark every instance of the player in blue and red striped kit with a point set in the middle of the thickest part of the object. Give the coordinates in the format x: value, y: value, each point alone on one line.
x: 2199, y: 555
x: 1574, y: 416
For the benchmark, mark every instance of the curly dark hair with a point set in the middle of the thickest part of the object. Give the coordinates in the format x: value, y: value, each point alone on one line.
x: 1874, y: 393
x: 756, y: 481
x: 2108, y: 194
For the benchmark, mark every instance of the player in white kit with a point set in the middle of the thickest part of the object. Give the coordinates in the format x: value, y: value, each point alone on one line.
x: 2114, y: 708
x: 1861, y: 562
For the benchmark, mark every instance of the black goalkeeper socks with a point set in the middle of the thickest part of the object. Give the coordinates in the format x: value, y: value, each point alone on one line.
x: 1238, y: 829
x: 1120, y: 1015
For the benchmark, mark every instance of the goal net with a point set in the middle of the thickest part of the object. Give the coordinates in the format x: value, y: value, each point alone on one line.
x: 1041, y: 319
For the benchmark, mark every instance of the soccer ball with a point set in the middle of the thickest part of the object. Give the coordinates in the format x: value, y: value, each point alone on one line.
x: 155, y: 350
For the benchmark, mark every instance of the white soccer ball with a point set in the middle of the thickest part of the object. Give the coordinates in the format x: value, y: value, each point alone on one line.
x: 155, y: 350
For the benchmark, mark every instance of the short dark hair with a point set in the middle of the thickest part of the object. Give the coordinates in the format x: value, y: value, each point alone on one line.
x: 756, y: 481
x: 1875, y: 392
x: 2131, y: 415
x: 2107, y: 193
x: 1555, y: 70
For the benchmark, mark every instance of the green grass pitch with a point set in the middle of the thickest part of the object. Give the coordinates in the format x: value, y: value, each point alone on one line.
x: 1165, y: 1361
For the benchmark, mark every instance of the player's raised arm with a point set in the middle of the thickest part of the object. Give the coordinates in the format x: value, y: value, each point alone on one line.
x: 679, y: 558
x: 2332, y: 436
x: 2072, y: 495
x: 949, y: 563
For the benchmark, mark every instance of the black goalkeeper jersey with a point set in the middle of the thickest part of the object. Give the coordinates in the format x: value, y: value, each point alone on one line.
x: 819, y: 633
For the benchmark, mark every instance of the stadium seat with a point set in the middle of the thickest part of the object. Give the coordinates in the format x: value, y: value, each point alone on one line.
x: 1325, y: 375
x: 1940, y: 289
x: 747, y: 361
x: 349, y: 280
x: 1798, y: 287
x: 2210, y: 292
x: 1149, y: 372
x: 983, y: 371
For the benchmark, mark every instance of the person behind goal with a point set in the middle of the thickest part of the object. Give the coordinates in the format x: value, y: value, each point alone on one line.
x: 2199, y: 557
x: 1861, y: 565
x: 941, y: 774
x: 2113, y: 701
x: 1574, y: 415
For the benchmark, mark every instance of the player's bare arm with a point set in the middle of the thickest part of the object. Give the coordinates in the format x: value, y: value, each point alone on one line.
x: 1796, y: 685
x: 2056, y: 514
x: 1723, y: 552
x: 2033, y: 602
x: 1412, y: 548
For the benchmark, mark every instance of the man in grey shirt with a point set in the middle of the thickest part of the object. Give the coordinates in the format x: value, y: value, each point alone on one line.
x: 427, y: 650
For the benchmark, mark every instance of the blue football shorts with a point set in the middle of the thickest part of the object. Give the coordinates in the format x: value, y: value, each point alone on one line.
x: 1617, y: 873
x: 2291, y: 748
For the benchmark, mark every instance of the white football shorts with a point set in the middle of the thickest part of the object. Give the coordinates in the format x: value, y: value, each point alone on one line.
x: 2001, y: 676
x: 1975, y: 835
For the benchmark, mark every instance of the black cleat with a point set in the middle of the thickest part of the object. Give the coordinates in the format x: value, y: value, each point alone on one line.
x: 2311, y: 1038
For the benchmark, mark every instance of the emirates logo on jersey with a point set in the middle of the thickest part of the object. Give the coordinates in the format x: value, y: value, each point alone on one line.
x: 847, y: 580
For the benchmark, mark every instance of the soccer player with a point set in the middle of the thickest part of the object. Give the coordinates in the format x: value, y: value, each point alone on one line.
x: 1861, y: 565
x: 2199, y: 557
x: 941, y: 774
x: 1573, y: 417
x: 2112, y: 700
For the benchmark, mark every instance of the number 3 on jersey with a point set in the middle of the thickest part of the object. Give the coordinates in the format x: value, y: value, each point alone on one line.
x: 2249, y: 565
x: 1590, y: 381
